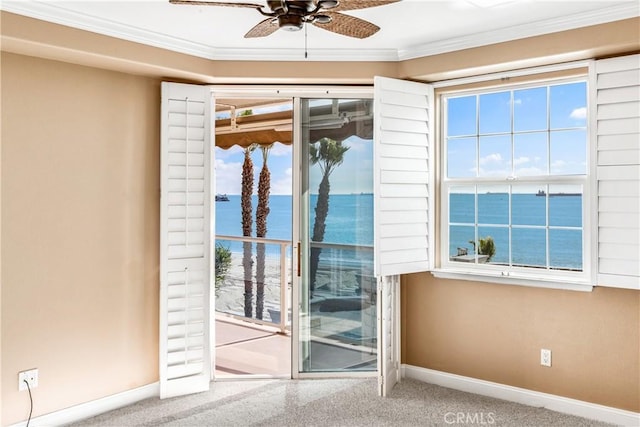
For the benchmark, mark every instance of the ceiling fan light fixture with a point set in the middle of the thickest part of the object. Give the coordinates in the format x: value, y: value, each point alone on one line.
x: 322, y: 19
x: 328, y: 4
x: 290, y: 22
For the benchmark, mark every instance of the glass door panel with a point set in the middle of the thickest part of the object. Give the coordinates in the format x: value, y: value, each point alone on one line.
x: 337, y: 295
x: 253, y: 253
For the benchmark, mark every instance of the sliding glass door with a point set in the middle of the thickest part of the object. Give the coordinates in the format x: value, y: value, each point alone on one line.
x: 337, y: 295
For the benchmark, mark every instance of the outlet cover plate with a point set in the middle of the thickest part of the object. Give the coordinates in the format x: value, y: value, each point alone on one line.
x: 545, y: 357
x: 31, y: 376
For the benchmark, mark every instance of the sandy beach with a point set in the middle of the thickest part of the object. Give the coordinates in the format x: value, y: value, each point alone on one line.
x: 230, y: 295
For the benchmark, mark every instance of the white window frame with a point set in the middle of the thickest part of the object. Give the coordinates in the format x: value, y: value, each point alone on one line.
x: 526, y: 276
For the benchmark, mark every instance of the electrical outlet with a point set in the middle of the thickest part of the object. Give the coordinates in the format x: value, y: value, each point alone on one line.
x: 30, y: 376
x: 545, y: 357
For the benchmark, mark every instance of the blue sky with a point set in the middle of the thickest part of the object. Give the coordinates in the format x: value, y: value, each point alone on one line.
x: 493, y: 154
x: 229, y: 169
x: 355, y: 175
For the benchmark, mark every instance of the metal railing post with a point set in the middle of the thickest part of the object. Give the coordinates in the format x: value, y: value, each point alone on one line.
x: 284, y: 311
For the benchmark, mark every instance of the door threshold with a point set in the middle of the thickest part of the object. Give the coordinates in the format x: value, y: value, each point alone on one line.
x: 249, y: 377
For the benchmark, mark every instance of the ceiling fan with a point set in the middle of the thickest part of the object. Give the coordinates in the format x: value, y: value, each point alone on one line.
x: 291, y: 15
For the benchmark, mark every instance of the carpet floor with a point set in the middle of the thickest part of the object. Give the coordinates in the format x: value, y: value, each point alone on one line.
x: 331, y: 402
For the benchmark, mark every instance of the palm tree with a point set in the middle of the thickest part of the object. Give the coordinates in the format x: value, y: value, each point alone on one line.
x: 262, y: 211
x: 329, y: 154
x: 485, y: 246
x: 247, y: 222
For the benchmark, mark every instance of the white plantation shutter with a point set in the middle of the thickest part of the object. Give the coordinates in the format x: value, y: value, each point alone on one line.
x: 185, y: 240
x: 618, y: 171
x: 403, y: 120
x: 403, y: 206
x: 388, y: 333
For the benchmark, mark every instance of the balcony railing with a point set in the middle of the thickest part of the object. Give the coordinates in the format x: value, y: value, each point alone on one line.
x: 262, y: 299
x: 344, y: 270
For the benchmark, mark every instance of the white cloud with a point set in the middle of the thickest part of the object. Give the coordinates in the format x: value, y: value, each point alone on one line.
x: 284, y: 184
x: 228, y: 170
x: 358, y: 144
x: 579, y: 113
x: 521, y: 160
x: 280, y: 149
x: 494, y: 172
x: 491, y: 158
x: 228, y: 177
x: 230, y: 152
x: 530, y: 171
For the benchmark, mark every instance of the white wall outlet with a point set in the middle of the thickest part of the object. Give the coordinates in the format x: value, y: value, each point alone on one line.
x: 545, y: 357
x: 30, y: 376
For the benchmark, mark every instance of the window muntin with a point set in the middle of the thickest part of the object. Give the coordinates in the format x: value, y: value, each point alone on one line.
x: 515, y: 169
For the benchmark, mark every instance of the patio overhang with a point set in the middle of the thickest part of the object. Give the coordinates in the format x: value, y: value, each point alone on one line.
x: 352, y: 119
x: 262, y: 129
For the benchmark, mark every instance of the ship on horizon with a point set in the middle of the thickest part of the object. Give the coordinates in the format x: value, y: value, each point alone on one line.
x: 542, y: 193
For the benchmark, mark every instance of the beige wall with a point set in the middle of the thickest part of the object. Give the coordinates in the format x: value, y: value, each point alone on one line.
x: 583, y: 43
x: 80, y: 216
x: 495, y: 333
x: 80, y: 220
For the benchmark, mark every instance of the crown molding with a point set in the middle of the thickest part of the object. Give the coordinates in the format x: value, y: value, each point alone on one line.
x: 594, y: 17
x: 55, y: 14
x: 339, y: 55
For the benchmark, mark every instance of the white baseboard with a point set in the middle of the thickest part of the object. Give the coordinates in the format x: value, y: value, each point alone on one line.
x: 95, y: 407
x: 523, y: 396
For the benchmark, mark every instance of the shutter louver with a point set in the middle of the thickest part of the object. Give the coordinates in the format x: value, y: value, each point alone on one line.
x: 403, y: 127
x: 185, y: 242
x: 388, y: 333
x: 618, y: 171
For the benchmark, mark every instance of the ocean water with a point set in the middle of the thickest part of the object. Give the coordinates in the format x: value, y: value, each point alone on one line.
x: 350, y: 219
x: 529, y: 240
x: 350, y: 222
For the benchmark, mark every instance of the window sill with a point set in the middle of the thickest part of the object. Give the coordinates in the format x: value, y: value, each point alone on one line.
x: 512, y: 279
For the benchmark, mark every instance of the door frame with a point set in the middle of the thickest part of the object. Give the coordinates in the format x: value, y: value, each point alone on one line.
x: 403, y: 133
x: 403, y: 142
x: 295, y: 93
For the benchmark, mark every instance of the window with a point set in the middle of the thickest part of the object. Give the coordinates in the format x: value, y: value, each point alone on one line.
x: 515, y: 181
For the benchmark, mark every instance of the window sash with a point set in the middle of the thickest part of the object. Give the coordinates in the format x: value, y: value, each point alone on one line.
x: 546, y: 225
x: 546, y: 180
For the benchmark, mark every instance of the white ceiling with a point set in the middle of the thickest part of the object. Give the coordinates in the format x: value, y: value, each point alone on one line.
x: 409, y: 28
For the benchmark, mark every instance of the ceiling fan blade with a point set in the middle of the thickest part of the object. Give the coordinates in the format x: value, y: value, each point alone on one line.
x: 216, y: 3
x: 348, y: 25
x: 361, y: 4
x: 263, y: 29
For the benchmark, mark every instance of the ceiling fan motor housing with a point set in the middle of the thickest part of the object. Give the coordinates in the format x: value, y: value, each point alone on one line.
x: 281, y: 6
x: 293, y: 14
